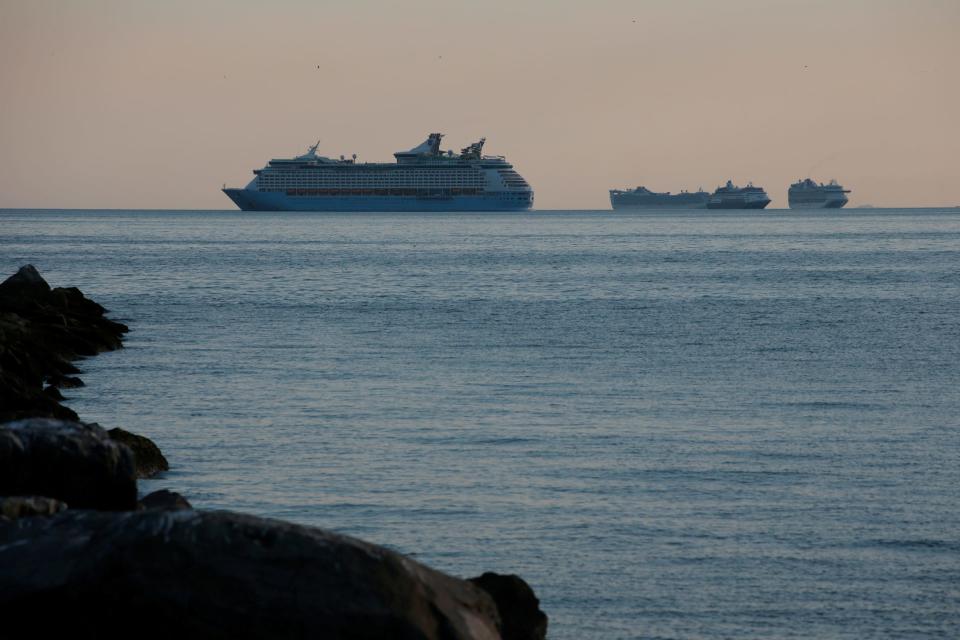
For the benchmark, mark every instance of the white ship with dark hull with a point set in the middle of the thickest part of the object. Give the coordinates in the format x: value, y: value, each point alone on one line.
x: 731, y: 196
x: 643, y: 198
x: 422, y: 179
x: 807, y: 194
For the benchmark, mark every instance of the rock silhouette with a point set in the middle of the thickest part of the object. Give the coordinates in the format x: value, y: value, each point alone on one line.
x: 41, y: 331
x: 147, y: 458
x: 70, y: 461
x: 226, y: 575
x: 519, y: 609
x: 164, y: 499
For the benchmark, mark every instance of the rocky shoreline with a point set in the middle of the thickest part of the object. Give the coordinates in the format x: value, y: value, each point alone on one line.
x: 81, y: 553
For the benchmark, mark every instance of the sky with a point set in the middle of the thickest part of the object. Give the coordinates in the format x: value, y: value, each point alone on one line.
x: 143, y: 104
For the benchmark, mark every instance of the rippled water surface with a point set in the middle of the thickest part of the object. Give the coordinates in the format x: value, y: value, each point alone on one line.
x: 676, y: 426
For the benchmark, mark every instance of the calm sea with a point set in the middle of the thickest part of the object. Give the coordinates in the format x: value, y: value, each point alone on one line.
x: 673, y: 426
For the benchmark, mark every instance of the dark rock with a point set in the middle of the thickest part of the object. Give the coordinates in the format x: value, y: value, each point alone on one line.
x: 519, y: 608
x: 24, y: 358
x: 146, y: 455
x: 64, y: 382
x: 64, y: 367
x: 53, y: 393
x: 72, y: 298
x: 225, y: 575
x: 14, y: 507
x: 26, y: 282
x: 41, y: 330
x: 164, y: 499
x: 70, y: 461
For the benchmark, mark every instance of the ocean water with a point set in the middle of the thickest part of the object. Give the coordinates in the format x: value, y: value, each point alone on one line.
x: 743, y: 425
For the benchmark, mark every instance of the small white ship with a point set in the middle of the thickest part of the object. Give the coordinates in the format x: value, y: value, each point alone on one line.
x: 731, y: 196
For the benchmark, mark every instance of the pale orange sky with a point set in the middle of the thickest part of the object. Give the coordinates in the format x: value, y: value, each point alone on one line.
x: 136, y: 104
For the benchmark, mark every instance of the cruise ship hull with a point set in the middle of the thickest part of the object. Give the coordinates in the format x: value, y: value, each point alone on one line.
x: 829, y: 204
x: 252, y: 200
x: 669, y: 205
x: 738, y: 205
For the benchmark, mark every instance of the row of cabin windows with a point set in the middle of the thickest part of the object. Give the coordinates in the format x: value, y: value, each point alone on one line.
x: 368, y: 183
x: 367, y: 178
x: 285, y: 185
x: 374, y: 178
x: 422, y: 191
x: 382, y: 174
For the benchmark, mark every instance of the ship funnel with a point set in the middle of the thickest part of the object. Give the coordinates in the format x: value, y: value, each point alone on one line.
x: 429, y: 147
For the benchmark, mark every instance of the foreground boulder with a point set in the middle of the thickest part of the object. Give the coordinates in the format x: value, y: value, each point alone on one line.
x: 41, y: 331
x: 70, y: 461
x: 519, y: 609
x: 147, y: 457
x: 224, y: 575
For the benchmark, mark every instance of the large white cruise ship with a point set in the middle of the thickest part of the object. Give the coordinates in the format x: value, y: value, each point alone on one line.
x: 807, y: 194
x: 422, y: 179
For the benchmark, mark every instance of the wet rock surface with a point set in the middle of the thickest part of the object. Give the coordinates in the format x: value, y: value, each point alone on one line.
x: 519, y: 609
x: 147, y: 457
x: 70, y: 461
x: 14, y: 507
x: 164, y: 499
x: 227, y: 575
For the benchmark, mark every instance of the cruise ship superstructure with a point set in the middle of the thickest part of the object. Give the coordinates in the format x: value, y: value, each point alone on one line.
x: 731, y: 196
x: 643, y: 198
x: 807, y: 194
x: 421, y: 179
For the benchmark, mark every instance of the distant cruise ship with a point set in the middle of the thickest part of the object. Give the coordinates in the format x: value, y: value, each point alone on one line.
x: 643, y: 198
x: 731, y: 196
x: 422, y: 179
x: 807, y: 194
